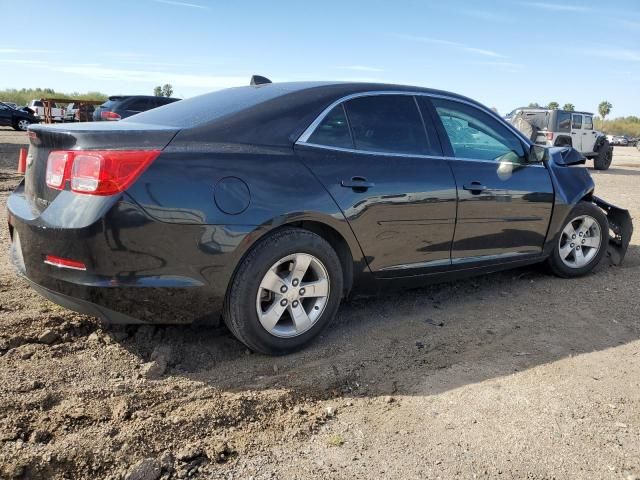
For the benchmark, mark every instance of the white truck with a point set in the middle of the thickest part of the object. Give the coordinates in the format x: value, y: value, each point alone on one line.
x: 37, y: 106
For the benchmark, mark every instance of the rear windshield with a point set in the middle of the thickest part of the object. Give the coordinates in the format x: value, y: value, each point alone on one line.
x: 538, y: 119
x: 211, y: 106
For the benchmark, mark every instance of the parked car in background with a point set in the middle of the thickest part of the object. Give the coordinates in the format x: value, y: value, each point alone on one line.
x: 620, y: 140
x: 18, y: 119
x: 268, y: 204
x: 563, y: 128
x: 37, y: 107
x: 79, y: 112
x: 12, y: 105
x: 118, y: 107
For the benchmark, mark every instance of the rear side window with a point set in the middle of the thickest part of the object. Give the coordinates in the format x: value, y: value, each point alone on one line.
x: 333, y: 131
x: 476, y: 135
x: 387, y: 123
x: 564, y: 122
x: 111, y: 104
x: 577, y: 121
x: 139, y: 105
x: 588, y: 123
x: 163, y: 101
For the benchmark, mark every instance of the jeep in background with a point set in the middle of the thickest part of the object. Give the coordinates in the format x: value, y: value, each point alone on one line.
x: 562, y: 128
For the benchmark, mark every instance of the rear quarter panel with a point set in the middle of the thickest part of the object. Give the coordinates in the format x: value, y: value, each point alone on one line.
x: 182, y: 185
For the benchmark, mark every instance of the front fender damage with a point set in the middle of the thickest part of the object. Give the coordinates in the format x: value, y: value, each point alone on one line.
x: 622, y: 227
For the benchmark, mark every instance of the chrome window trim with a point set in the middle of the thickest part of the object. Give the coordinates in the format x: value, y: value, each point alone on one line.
x: 302, y: 139
x: 415, y: 155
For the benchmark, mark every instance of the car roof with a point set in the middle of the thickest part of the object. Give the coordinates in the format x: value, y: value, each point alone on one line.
x: 267, y: 114
x: 534, y: 109
x: 126, y: 97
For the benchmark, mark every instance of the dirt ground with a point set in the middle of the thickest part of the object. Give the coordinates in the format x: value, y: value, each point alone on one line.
x: 512, y: 375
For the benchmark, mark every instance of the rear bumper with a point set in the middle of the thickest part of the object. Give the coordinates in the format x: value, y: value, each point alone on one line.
x: 139, y: 270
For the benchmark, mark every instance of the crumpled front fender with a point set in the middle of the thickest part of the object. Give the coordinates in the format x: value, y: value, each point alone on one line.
x: 621, y: 225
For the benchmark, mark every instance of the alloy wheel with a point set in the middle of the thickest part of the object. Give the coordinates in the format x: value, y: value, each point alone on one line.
x: 293, y: 295
x: 580, y: 241
x: 23, y: 125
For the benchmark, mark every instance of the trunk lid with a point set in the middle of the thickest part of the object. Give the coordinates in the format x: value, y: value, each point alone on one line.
x: 83, y: 136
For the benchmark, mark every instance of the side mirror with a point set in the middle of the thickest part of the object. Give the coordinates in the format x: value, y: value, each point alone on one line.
x: 537, y: 154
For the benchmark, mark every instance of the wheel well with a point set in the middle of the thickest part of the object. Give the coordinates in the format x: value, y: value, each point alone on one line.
x: 336, y: 241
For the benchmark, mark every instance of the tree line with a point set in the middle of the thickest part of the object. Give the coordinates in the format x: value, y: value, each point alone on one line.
x: 25, y: 95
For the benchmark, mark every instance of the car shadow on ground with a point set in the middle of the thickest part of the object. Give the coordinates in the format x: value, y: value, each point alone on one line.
x: 417, y: 342
x: 616, y: 171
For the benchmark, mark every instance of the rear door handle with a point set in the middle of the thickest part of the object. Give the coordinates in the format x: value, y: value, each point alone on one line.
x: 474, y: 187
x: 358, y: 184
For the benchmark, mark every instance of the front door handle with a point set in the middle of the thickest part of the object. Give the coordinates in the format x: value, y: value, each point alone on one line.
x: 358, y: 184
x: 474, y: 187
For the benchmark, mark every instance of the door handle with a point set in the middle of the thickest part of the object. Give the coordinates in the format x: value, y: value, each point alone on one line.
x: 358, y: 184
x: 474, y: 187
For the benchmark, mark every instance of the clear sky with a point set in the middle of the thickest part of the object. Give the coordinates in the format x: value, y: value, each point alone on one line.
x: 504, y: 53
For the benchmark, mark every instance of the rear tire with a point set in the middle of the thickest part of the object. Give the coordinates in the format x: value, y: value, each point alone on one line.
x: 274, y: 320
x: 605, y: 155
x: 21, y: 125
x: 579, y: 249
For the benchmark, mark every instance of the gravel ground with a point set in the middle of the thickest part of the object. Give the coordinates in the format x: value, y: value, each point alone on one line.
x: 512, y: 375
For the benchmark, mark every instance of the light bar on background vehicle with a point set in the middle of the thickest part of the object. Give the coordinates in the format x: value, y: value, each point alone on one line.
x: 97, y: 172
x: 64, y: 263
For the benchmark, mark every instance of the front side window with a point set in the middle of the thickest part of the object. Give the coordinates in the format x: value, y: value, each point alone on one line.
x: 333, y: 131
x: 577, y: 122
x: 588, y: 123
x: 476, y: 135
x: 564, y: 122
x: 389, y: 124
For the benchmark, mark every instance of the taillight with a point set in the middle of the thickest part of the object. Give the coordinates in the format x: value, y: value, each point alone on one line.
x: 57, y: 169
x: 549, y: 135
x: 109, y: 115
x: 97, y: 172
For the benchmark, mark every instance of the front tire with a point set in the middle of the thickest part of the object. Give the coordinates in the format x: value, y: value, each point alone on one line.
x: 581, y: 243
x: 285, y: 292
x: 605, y: 155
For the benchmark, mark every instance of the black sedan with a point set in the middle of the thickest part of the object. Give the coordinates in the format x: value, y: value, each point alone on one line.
x: 19, y: 119
x: 268, y: 204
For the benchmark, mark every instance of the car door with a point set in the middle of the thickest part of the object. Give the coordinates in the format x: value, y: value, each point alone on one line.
x: 5, y: 114
x: 589, y: 135
x: 504, y: 202
x: 385, y: 170
x: 576, y: 132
